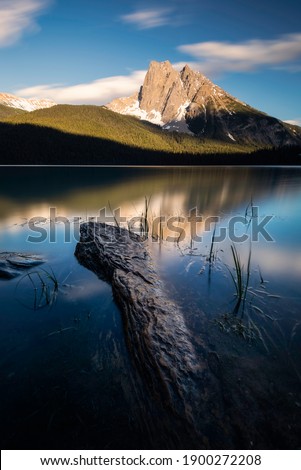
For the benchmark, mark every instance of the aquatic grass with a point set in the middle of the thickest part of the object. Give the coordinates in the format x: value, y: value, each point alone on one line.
x: 232, y: 324
x: 241, y: 279
x: 257, y: 309
x: 145, y: 215
x: 161, y: 233
x: 144, y: 225
x: 246, y: 287
x: 211, y: 256
x: 238, y: 283
x: 143, y: 220
x: 260, y: 275
x: 113, y: 214
x: 191, y: 247
x: 250, y: 213
x: 178, y: 245
x: 154, y: 234
x: 244, y: 325
x: 61, y: 330
x: 50, y: 275
x: 250, y: 204
x: 44, y: 291
x: 45, y: 287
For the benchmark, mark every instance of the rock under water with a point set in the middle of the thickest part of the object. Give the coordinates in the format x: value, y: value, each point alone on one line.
x: 14, y: 264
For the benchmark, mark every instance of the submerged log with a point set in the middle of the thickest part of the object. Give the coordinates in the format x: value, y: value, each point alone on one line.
x: 154, y: 325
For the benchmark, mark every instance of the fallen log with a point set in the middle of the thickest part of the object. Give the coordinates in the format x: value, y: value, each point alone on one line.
x: 155, y: 329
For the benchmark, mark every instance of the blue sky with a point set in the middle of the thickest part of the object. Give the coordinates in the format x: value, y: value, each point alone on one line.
x: 91, y: 51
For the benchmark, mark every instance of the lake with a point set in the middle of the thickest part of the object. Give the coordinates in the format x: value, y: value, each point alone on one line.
x: 226, y: 242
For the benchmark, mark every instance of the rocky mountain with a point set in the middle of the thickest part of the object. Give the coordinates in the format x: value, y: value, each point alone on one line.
x: 189, y: 102
x: 12, y: 101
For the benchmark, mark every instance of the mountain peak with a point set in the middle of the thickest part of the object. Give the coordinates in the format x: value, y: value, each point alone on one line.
x: 163, y: 64
x: 32, y: 104
x: 162, y: 91
x: 187, y: 101
x: 159, y: 68
x: 186, y: 69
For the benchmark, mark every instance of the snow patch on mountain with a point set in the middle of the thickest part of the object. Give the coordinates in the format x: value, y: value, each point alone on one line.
x: 182, y: 110
x: 29, y: 105
x: 231, y: 136
x: 134, y: 109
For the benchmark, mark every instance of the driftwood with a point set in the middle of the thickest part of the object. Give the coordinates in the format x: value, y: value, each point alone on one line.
x: 154, y: 325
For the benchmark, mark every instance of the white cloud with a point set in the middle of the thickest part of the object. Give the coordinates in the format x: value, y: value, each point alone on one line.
x: 150, y: 18
x: 16, y: 17
x: 294, y: 122
x: 99, y: 92
x: 245, y: 56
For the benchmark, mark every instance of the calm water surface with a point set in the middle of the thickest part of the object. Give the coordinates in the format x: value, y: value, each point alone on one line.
x: 67, y: 378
